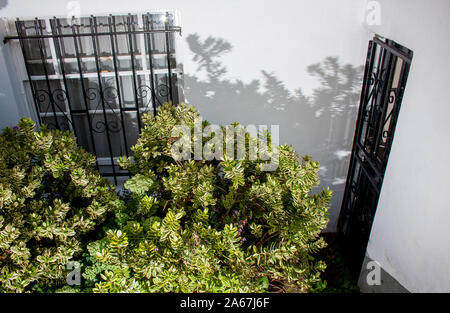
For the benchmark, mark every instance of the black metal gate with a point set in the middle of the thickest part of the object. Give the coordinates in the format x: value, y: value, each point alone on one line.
x: 385, y: 75
x: 95, y: 76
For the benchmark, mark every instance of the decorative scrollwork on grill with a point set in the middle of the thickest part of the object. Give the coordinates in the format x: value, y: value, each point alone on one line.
x: 392, y: 95
x: 392, y: 98
x: 63, y: 125
x: 163, y: 90
x: 100, y: 126
x: 59, y: 95
x: 101, y: 100
x: 92, y: 94
x: 96, y: 98
x: 110, y: 95
x: 43, y: 97
x: 143, y: 94
x: 48, y: 103
x: 372, y: 112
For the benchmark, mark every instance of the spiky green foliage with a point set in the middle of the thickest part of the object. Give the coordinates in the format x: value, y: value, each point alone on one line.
x: 50, y: 196
x: 211, y: 226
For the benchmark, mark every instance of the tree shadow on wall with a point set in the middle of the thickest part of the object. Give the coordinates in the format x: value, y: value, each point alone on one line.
x: 3, y: 4
x: 320, y: 124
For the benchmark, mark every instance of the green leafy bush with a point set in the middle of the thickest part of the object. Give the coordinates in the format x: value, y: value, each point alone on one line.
x: 210, y: 226
x: 50, y: 199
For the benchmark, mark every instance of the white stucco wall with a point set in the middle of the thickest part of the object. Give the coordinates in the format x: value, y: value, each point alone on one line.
x: 411, y: 233
x: 12, y: 106
x: 281, y: 37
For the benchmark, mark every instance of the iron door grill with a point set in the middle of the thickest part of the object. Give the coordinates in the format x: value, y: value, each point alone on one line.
x: 385, y: 75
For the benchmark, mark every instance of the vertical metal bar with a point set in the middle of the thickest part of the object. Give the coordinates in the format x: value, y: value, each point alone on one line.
x: 373, y: 100
x: 356, y: 137
x: 168, y: 57
x: 396, y: 109
x: 93, y: 25
x: 111, y: 21
x: 44, y: 62
x: 19, y: 25
x: 51, y: 42
x: 83, y: 89
x: 380, y: 100
x: 141, y: 36
x: 384, y: 102
x: 130, y: 39
x: 61, y: 43
x: 63, y: 73
x: 148, y: 26
x: 363, y: 102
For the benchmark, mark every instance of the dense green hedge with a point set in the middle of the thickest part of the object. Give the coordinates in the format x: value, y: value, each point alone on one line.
x: 50, y: 199
x: 187, y: 225
x: 211, y: 226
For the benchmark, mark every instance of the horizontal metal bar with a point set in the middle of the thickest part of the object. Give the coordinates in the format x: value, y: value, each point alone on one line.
x: 115, y: 175
x: 108, y: 111
x: 103, y: 74
x: 125, y: 57
x: 368, y: 160
x: 173, y: 29
x: 405, y: 57
x: 105, y: 161
x: 376, y: 186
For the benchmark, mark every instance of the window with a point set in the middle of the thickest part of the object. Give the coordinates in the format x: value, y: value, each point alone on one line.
x: 96, y: 76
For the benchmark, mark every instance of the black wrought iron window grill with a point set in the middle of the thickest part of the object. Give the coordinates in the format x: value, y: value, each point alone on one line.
x: 97, y: 75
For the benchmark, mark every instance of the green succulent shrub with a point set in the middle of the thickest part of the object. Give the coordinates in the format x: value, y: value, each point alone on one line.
x: 210, y: 225
x: 51, y: 198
